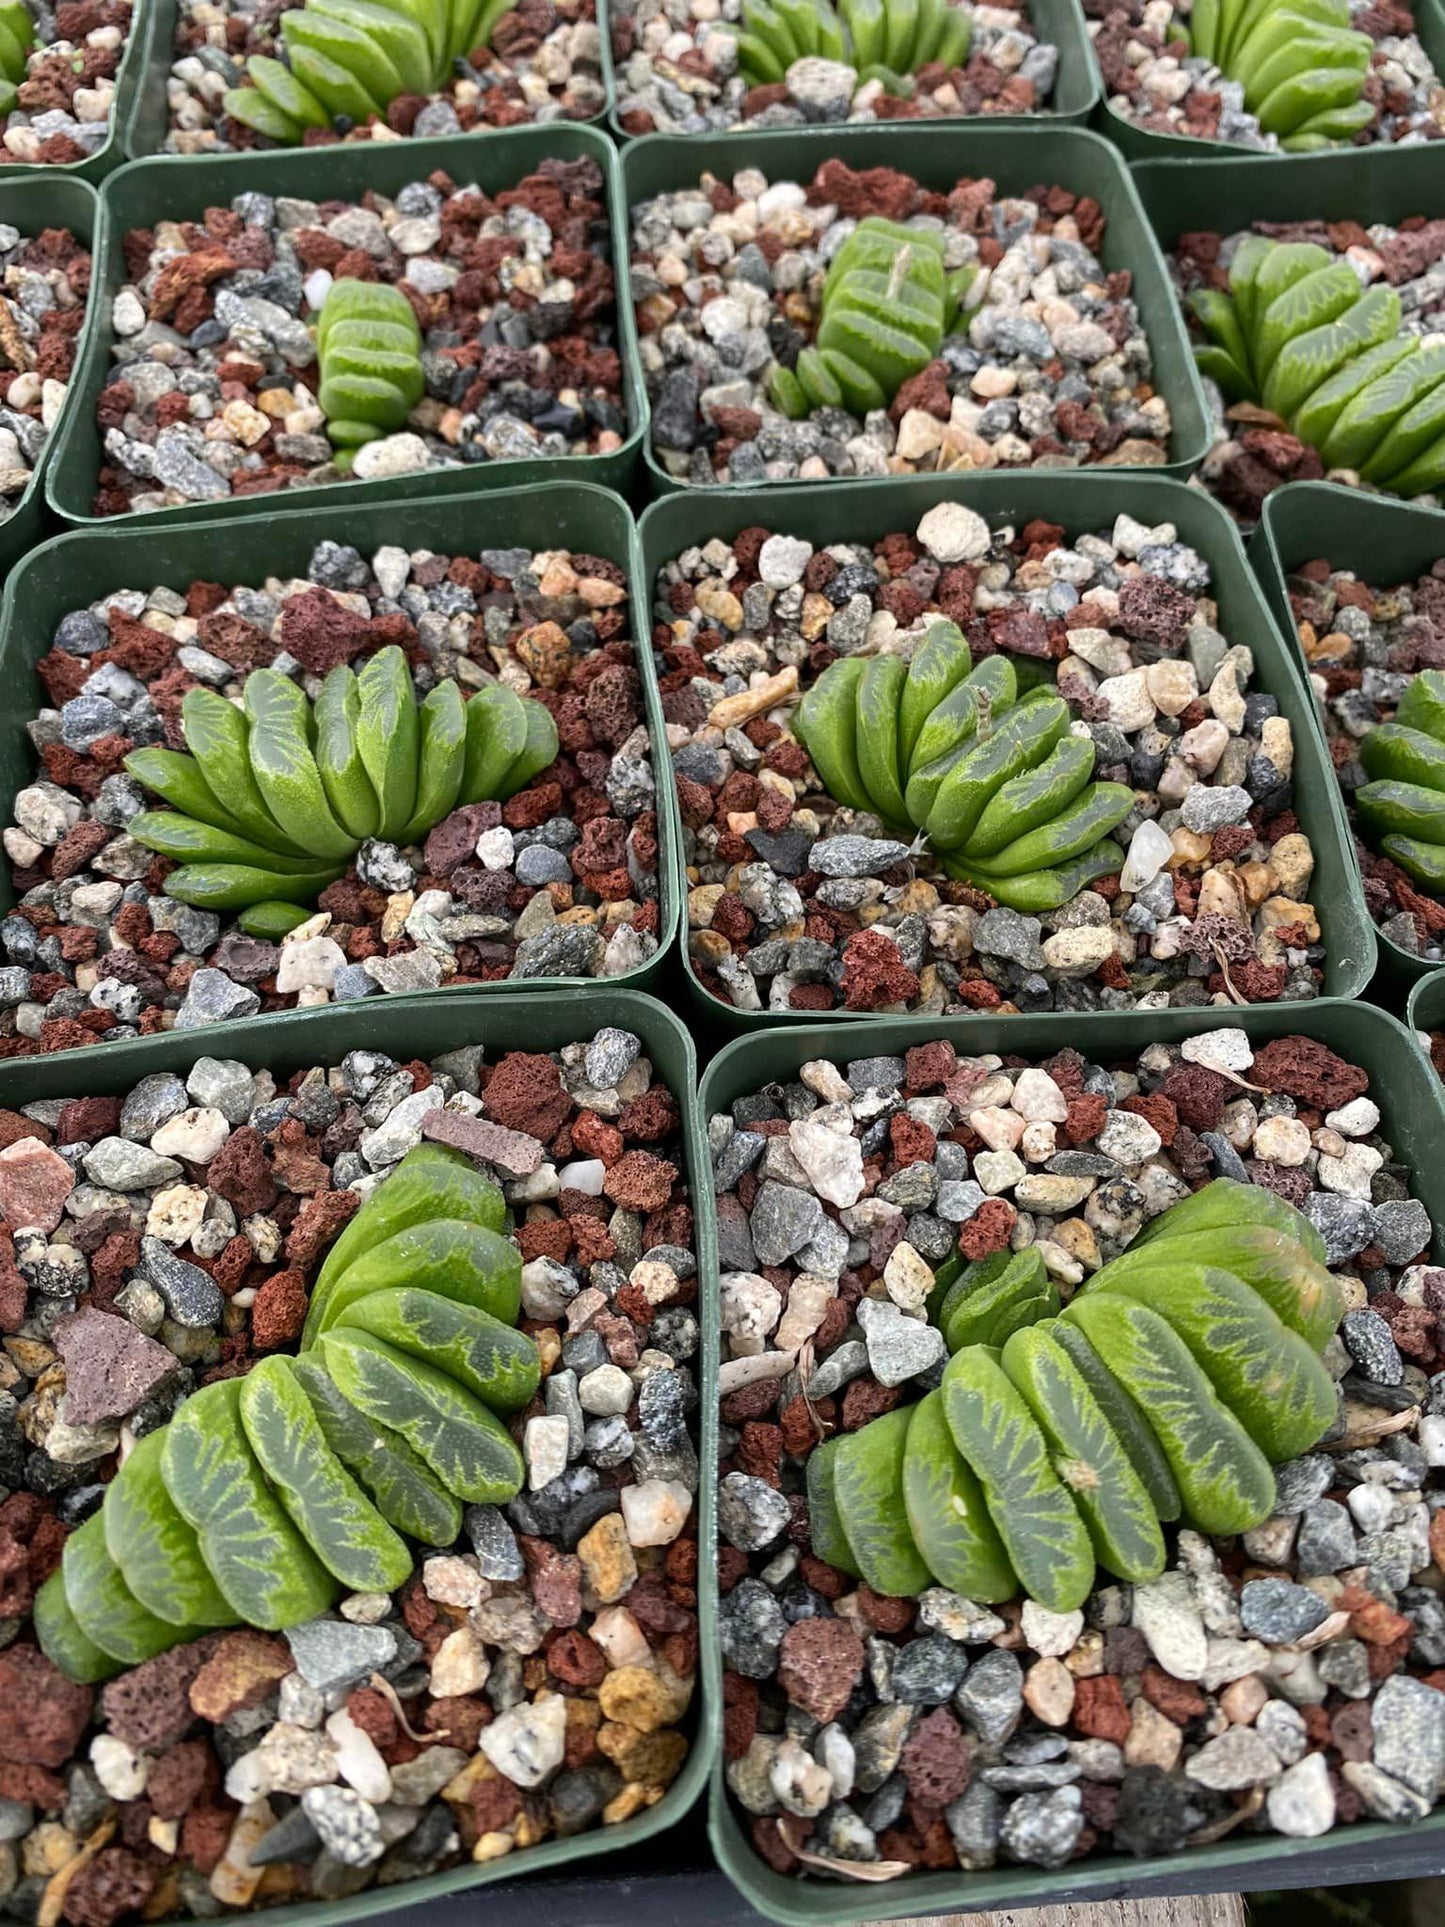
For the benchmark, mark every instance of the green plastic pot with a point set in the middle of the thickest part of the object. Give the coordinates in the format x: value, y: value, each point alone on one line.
x: 52, y: 197
x: 299, y: 1039
x: 1413, y: 1104
x: 1426, y: 1008
x: 147, y: 121
x: 1383, y: 540
x: 1017, y: 155
x: 1080, y: 501
x: 1138, y: 144
x: 1221, y: 190
x: 182, y: 187
x: 1076, y: 84
x: 74, y: 569
x: 109, y: 157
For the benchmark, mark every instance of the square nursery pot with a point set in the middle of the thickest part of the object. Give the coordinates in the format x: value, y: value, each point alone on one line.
x: 1410, y: 1096
x: 1075, y: 97
x: 865, y: 511
x: 1139, y: 144
x: 182, y: 186
x: 1018, y: 154
x: 52, y: 197
x: 91, y: 563
x: 107, y: 159
x: 298, y: 1039
x: 1383, y: 540
x: 1426, y: 1008
x: 147, y: 120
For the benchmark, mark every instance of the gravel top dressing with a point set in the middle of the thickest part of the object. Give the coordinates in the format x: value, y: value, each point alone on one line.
x: 1156, y: 84
x: 677, y: 72
x: 801, y: 902
x: 560, y: 879
x: 60, y: 111
x: 544, y: 63
x: 215, y: 392
x: 523, y: 1672
x: 1032, y: 355
x: 1365, y: 645
x: 1255, y: 449
x: 895, y: 1698
x: 44, y: 288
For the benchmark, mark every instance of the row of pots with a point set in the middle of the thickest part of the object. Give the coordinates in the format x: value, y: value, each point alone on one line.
x: 139, y: 123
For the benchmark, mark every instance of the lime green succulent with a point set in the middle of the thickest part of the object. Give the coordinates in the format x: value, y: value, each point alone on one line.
x: 368, y: 354
x: 996, y: 779
x: 349, y: 59
x: 17, y: 37
x: 267, y: 1496
x: 1404, y: 801
x: 1298, y: 334
x: 887, y: 40
x: 1302, y: 65
x: 887, y: 304
x: 278, y: 794
x: 1059, y: 1440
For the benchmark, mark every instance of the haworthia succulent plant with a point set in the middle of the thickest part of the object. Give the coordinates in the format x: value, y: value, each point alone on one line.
x: 1057, y: 1442
x: 885, y: 40
x: 1403, y: 803
x: 277, y: 795
x: 17, y: 37
x: 1300, y: 62
x: 1297, y: 334
x: 998, y: 782
x: 267, y: 1495
x: 887, y: 305
x: 368, y: 355
x: 347, y: 60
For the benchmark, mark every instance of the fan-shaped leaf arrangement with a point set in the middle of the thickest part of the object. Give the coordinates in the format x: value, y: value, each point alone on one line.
x: 277, y: 796
x: 1060, y: 1440
x: 267, y: 1496
x: 887, y: 304
x: 1298, y: 334
x: 1302, y: 66
x: 347, y: 60
x: 1404, y: 802
x: 368, y: 352
x: 997, y: 780
x: 887, y: 40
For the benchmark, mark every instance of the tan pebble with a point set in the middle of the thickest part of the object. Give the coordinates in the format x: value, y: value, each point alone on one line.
x: 234, y: 1880
x: 492, y: 1846
x: 733, y: 710
x: 1086, y: 1661
x: 1190, y: 848
x: 643, y: 1697
x: 1153, y: 1740
x: 608, y: 1560
x: 1243, y: 1699
x: 1049, y: 1691
x: 632, y: 1799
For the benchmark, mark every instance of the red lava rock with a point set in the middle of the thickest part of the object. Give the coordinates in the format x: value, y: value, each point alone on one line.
x: 42, y: 1713
x: 1176, y: 1699
x: 115, y: 1882
x: 525, y: 1094
x: 819, y: 1664
x: 319, y: 632
x: 988, y: 1230
x: 874, y: 973
x: 937, y: 1762
x: 179, y: 1777
x: 577, y: 1660
x: 1086, y: 1118
x: 885, y: 1615
x: 740, y: 1714
x: 1099, y: 1709
x: 240, y: 1173
x: 279, y: 1311
x: 640, y: 1181
x: 1310, y: 1071
x: 318, y: 1221
x: 1198, y: 1095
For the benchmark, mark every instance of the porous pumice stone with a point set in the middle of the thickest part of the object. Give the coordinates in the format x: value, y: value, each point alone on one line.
x: 677, y: 73
x: 44, y: 301
x: 1255, y: 454
x: 1290, y: 1668
x: 544, y: 63
x: 797, y: 904
x: 560, y: 880
x: 530, y: 1681
x: 212, y: 392
x: 1048, y: 364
